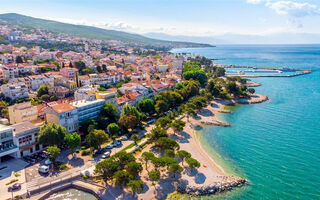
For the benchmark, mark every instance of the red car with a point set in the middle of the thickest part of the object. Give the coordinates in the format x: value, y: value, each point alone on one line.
x: 16, y: 186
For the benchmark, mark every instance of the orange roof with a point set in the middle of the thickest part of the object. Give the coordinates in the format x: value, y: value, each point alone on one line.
x: 63, y: 107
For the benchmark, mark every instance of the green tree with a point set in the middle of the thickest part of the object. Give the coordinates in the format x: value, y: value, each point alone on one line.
x: 198, y: 75
x: 43, y: 89
x: 134, y: 168
x: 123, y: 158
x: 96, y: 138
x: 166, y: 143
x: 136, y: 186
x: 193, y: 163
x: 53, y: 152
x: 163, y: 122
x: 175, y: 168
x: 169, y: 153
x: 154, y: 176
x: 161, y: 106
x: 156, y: 133
x: 182, y: 154
x: 106, y: 169
x: 146, y: 106
x: 131, y: 110
x: 51, y: 134
x: 135, y: 138
x: 122, y: 178
x: 111, y: 112
x: 193, y: 87
x: 158, y: 162
x: 147, y: 156
x: 84, y: 126
x: 73, y: 140
x: 128, y: 121
x: 177, y: 126
x: 113, y: 129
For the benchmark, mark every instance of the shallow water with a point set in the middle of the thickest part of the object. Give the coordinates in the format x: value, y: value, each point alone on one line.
x: 72, y: 194
x: 276, y: 145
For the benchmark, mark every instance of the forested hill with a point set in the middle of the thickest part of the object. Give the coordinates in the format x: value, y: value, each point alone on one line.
x: 89, y: 31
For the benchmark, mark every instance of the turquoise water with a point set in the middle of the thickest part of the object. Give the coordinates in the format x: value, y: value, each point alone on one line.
x: 276, y: 145
x: 72, y: 194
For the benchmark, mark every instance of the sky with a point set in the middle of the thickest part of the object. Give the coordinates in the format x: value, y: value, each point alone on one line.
x: 179, y: 17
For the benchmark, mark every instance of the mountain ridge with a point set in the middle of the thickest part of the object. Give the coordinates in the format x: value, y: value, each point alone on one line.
x: 90, y: 32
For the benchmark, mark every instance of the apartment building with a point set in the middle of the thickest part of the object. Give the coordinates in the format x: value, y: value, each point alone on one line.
x: 15, y: 91
x: 22, y: 112
x: 8, y: 143
x: 26, y: 135
x: 64, y: 114
x: 88, y: 109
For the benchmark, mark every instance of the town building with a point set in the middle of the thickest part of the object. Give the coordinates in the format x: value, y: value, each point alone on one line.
x: 8, y: 143
x: 26, y: 135
x: 22, y: 112
x: 88, y: 109
x: 15, y: 91
x: 64, y: 114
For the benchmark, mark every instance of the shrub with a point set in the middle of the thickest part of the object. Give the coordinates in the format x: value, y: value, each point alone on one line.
x: 85, y: 152
x: 62, y: 166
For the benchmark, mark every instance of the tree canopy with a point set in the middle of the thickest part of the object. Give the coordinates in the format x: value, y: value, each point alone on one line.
x: 51, y: 134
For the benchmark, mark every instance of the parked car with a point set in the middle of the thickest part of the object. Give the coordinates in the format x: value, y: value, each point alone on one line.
x: 110, y: 146
x: 106, y: 155
x: 48, y: 162
x: 124, y: 137
x: 44, y: 169
x: 16, y: 186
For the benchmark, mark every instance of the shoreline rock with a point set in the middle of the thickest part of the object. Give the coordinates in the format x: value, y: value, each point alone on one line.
x: 214, y: 188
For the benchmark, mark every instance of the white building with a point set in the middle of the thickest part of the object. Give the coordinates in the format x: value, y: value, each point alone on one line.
x: 15, y: 91
x: 26, y: 135
x: 8, y: 143
x: 38, y: 80
x: 88, y: 109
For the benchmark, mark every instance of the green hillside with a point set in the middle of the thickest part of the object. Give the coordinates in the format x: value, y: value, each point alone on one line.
x: 88, y: 31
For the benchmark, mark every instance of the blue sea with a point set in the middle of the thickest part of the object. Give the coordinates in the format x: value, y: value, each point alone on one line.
x: 276, y: 144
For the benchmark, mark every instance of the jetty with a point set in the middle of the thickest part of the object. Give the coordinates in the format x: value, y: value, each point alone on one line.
x: 264, y: 70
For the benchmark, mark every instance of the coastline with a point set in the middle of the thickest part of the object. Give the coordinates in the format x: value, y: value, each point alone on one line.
x: 217, y: 179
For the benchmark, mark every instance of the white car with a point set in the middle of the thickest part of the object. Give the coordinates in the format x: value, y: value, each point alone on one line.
x: 106, y: 155
x: 47, y: 162
x: 44, y: 169
x: 123, y: 138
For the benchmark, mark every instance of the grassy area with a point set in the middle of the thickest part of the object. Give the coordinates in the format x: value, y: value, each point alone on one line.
x: 178, y: 196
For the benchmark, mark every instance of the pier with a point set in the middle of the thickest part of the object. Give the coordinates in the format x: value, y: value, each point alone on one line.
x: 260, y: 69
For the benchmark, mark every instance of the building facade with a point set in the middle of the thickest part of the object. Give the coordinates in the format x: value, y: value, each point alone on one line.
x: 22, y: 112
x: 26, y: 135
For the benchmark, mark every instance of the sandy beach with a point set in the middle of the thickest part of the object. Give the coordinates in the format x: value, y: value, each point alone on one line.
x: 210, y: 177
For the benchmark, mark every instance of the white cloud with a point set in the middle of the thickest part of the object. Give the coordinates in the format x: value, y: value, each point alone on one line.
x: 294, y: 9
x: 254, y: 1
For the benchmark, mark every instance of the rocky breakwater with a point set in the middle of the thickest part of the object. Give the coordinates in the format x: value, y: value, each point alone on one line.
x: 226, y: 184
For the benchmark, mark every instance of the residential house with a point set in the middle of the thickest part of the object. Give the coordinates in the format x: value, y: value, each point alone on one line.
x: 69, y: 72
x: 59, y: 91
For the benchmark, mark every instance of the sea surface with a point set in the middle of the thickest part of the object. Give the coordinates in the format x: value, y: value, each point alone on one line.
x: 72, y: 194
x: 276, y: 144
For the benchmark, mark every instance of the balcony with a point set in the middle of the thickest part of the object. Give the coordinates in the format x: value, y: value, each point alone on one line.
x: 8, y: 148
